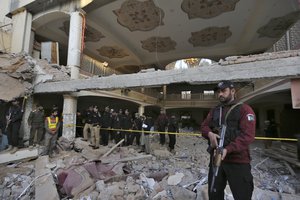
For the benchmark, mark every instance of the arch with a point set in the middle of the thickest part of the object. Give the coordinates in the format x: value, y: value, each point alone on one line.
x: 48, y: 16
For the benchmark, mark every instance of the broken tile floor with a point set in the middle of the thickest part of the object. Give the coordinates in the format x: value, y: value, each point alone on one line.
x: 115, y: 173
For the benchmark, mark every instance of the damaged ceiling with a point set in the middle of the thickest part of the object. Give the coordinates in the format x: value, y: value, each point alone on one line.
x: 19, y: 74
x: 134, y: 34
x: 16, y: 76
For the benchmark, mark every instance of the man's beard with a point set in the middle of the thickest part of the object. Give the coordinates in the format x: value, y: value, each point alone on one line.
x: 224, y: 100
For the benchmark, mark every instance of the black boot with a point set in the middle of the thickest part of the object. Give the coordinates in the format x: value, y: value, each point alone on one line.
x: 142, y: 149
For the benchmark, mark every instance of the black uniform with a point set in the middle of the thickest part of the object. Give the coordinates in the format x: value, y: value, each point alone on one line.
x: 137, y: 125
x: 162, y: 123
x: 116, y: 124
x: 126, y: 124
x: 106, y: 123
x: 15, y: 115
x: 172, y: 127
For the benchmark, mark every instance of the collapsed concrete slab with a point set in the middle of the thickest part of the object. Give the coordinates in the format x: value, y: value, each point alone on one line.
x: 44, y: 185
x: 268, y: 65
x: 21, y: 72
x: 7, y: 157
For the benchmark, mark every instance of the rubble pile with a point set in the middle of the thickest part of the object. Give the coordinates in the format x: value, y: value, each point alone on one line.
x: 127, y: 174
x: 15, y: 180
x: 16, y: 73
x: 122, y: 172
x: 57, y: 72
x: 271, y: 172
x: 21, y: 72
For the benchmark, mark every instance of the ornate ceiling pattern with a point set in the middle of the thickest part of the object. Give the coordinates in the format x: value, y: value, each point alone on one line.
x: 210, y: 36
x: 207, y: 8
x: 158, y: 44
x: 127, y: 33
x: 112, y: 52
x: 276, y: 27
x: 139, y: 16
x: 90, y: 35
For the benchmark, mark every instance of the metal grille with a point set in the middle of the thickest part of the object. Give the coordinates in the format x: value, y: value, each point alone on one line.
x: 295, y: 36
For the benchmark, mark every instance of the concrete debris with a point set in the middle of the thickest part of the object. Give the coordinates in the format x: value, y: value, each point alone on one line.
x: 147, y: 70
x: 21, y: 72
x: 175, y: 179
x: 44, y: 185
x: 7, y: 157
x: 14, y: 181
x: 258, y: 57
x: 110, y: 172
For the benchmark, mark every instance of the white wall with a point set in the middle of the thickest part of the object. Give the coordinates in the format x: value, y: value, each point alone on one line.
x: 5, y: 32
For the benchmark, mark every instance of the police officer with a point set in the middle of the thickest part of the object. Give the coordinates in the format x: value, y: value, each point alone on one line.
x: 235, y: 166
x: 52, y: 125
x: 162, y: 123
x: 172, y: 128
x: 96, y: 124
x: 88, y: 123
x: 36, y: 122
x: 13, y: 123
x: 106, y: 124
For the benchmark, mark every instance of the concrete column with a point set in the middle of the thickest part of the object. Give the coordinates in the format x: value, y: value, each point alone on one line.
x: 295, y: 92
x: 24, y: 129
x: 21, y: 35
x: 74, y: 55
x: 165, y: 91
x: 69, y: 117
x: 141, y: 110
x: 75, y: 44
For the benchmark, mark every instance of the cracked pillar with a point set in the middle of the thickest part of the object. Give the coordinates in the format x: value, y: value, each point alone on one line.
x: 22, y: 35
x: 69, y: 116
x: 25, y: 129
x: 74, y: 55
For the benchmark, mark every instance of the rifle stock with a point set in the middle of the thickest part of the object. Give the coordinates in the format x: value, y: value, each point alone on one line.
x: 217, y: 158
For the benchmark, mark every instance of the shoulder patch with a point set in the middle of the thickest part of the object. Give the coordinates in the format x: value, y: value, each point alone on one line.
x: 250, y: 117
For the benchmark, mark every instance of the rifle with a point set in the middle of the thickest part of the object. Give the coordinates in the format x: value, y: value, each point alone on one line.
x: 219, y: 150
x: 23, y: 103
x: 218, y: 157
x: 8, y: 120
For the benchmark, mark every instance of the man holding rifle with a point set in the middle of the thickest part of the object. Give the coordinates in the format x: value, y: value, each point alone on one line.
x: 13, y: 123
x: 230, y: 129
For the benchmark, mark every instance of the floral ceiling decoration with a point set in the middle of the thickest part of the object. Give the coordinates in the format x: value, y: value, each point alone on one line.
x: 139, y: 15
x: 112, y: 52
x: 158, y: 44
x: 210, y: 36
x: 207, y: 8
x: 276, y: 27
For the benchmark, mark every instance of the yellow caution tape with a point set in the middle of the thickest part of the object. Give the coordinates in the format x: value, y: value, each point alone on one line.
x: 182, y: 133
x: 279, y: 139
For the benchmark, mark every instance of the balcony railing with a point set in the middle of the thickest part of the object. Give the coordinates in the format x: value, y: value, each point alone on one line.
x: 193, y: 97
x: 94, y: 67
